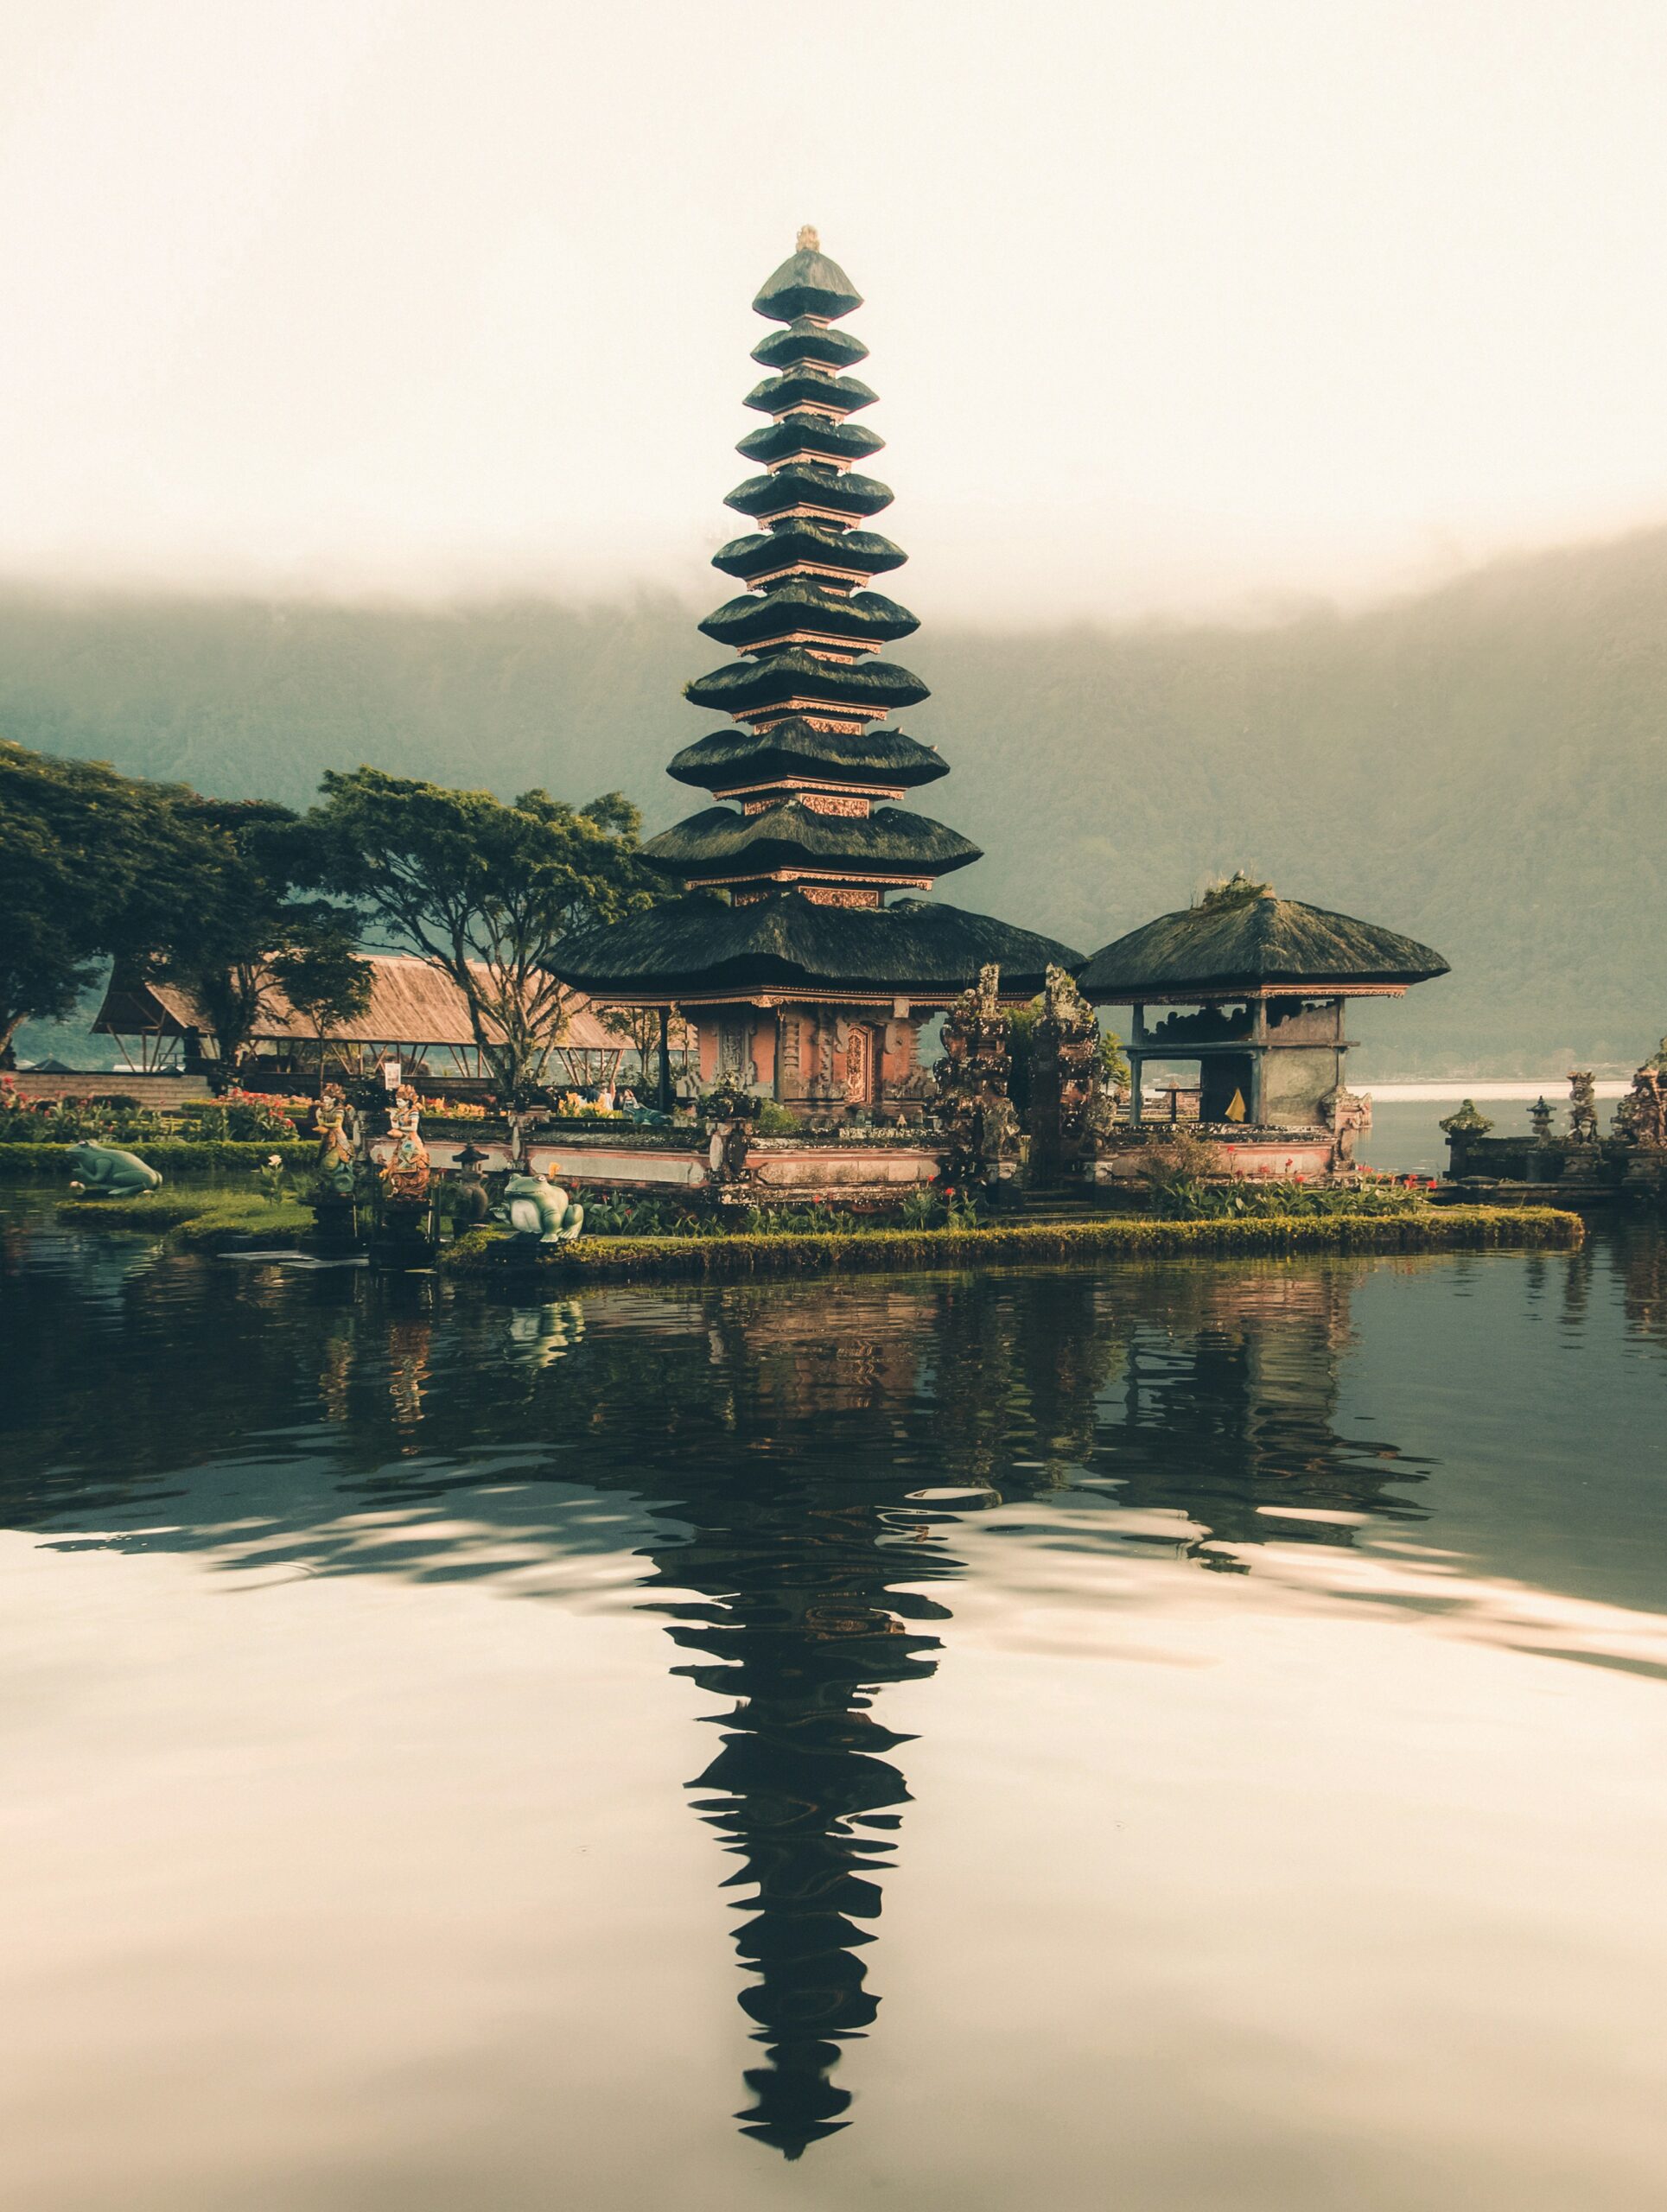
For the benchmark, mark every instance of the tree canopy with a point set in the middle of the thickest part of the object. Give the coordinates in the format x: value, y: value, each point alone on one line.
x: 324, y: 979
x: 486, y: 891
x: 97, y: 865
x: 258, y: 892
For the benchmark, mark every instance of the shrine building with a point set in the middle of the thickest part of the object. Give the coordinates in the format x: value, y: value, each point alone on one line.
x: 802, y: 951
x: 1253, y: 990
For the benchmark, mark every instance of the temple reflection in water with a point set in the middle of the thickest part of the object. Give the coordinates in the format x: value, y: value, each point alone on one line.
x: 808, y: 1454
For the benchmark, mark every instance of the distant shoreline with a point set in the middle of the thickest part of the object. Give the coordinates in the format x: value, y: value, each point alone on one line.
x: 1437, y: 1090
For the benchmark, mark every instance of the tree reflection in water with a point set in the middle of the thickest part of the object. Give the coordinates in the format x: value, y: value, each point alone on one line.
x: 807, y: 1451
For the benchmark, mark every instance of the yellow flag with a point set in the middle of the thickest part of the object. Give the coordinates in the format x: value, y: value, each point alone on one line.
x: 1236, y: 1107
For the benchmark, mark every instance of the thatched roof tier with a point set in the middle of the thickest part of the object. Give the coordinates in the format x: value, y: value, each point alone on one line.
x: 809, y: 484
x: 806, y: 339
x: 878, y: 687
x: 736, y: 759
x: 798, y: 606
x: 889, y: 844
x: 807, y: 283
x: 820, y: 544
x: 1243, y: 942
x: 698, y: 948
x: 811, y: 437
x: 411, y: 1004
x: 804, y: 388
x: 808, y: 678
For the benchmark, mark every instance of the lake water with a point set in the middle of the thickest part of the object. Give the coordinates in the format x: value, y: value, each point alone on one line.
x: 1185, y: 1736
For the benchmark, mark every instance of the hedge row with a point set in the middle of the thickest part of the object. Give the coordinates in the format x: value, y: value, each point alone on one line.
x: 488, y: 1252
x: 50, y: 1162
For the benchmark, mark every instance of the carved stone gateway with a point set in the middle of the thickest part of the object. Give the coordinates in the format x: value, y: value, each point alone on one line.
x: 973, y: 1108
x: 1070, y: 1110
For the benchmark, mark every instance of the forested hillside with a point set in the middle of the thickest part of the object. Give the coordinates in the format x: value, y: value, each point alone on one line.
x: 1484, y: 767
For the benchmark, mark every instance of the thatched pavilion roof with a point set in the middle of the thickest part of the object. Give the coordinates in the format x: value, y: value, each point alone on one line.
x: 700, y: 947
x: 411, y: 1004
x: 1242, y: 940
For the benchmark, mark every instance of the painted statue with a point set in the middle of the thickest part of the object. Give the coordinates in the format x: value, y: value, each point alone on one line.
x: 534, y: 1206
x: 333, y: 1120
x: 405, y: 1171
x: 111, y: 1174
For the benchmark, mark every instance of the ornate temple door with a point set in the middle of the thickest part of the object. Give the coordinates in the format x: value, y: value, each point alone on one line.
x: 859, y: 1065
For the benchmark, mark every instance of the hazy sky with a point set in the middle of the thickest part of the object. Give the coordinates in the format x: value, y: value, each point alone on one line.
x: 1174, y: 303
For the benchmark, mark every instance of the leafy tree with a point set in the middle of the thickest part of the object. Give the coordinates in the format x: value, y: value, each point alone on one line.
x: 96, y: 864
x: 654, y: 1034
x: 486, y: 892
x: 1114, y: 1063
x: 325, y: 980
x: 259, y: 894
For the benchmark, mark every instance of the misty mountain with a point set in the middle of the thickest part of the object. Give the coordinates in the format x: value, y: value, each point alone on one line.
x: 1483, y: 767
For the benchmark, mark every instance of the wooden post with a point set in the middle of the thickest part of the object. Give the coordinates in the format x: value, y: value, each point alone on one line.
x: 664, y: 1100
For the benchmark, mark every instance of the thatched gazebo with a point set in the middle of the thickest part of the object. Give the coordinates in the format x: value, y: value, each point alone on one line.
x: 1255, y: 988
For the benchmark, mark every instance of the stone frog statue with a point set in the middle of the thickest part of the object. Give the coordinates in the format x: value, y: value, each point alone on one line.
x: 534, y: 1206
x: 111, y: 1174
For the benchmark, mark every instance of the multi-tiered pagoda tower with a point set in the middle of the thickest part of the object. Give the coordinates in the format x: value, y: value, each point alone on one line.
x: 803, y: 953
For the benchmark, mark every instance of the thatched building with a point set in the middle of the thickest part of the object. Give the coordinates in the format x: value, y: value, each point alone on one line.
x: 1256, y: 989
x: 416, y: 1015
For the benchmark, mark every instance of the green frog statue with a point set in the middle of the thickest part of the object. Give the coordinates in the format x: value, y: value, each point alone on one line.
x: 534, y: 1206
x: 106, y: 1174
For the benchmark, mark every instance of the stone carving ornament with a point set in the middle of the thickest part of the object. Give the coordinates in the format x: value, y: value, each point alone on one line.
x: 973, y: 1108
x: 1066, y: 1064
x: 1582, y: 1109
x: 1641, y: 1116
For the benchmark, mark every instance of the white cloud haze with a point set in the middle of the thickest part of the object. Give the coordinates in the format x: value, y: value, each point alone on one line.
x: 1174, y: 303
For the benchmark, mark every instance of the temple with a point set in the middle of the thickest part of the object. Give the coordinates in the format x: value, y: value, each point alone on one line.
x: 1256, y: 989
x: 801, y: 951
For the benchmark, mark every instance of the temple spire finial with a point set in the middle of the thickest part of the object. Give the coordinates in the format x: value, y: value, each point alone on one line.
x: 809, y: 240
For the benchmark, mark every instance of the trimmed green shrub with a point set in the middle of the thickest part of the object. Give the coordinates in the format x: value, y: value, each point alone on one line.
x: 169, y: 1156
x: 1426, y: 1228
x: 1185, y: 1199
x: 642, y: 1213
x: 223, y: 1218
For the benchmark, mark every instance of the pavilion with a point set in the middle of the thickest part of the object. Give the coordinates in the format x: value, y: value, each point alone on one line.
x: 801, y: 951
x: 1254, y: 990
x: 416, y: 1015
